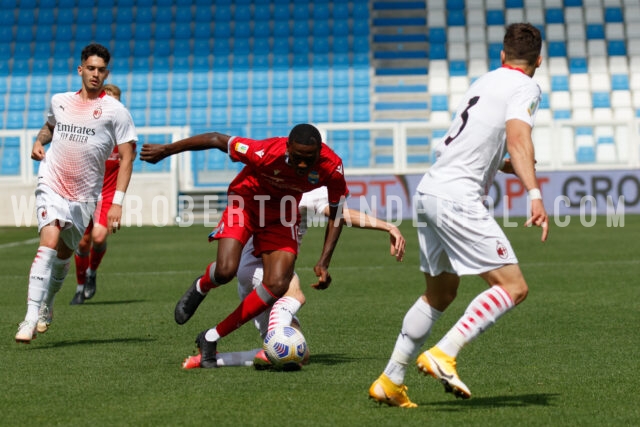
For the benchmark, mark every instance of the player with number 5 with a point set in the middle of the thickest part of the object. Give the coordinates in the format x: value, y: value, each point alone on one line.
x: 457, y: 234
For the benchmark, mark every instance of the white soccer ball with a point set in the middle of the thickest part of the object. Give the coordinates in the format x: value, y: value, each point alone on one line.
x: 285, y: 345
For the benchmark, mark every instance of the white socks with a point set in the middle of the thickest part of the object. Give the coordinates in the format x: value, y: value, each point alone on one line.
x: 283, y: 311
x: 415, y: 331
x: 59, y: 270
x: 480, y: 315
x: 39, y: 281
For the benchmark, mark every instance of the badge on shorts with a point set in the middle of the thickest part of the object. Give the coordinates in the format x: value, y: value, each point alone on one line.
x: 501, y: 250
x: 43, y: 213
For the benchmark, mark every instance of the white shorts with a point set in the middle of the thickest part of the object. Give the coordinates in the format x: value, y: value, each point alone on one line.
x: 459, y: 238
x: 72, y: 217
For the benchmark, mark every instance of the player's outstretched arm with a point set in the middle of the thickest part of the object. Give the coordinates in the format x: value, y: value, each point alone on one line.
x: 153, y: 153
x: 332, y: 234
x: 363, y: 220
x: 44, y: 137
x: 521, y: 151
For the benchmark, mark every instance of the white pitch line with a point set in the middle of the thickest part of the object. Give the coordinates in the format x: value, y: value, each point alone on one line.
x: 24, y: 242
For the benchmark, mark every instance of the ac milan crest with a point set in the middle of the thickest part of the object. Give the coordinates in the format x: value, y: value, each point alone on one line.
x: 97, y: 112
x: 501, y: 250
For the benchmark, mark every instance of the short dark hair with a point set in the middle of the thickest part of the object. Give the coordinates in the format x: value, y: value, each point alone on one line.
x: 305, y: 134
x: 95, y: 49
x: 522, y: 42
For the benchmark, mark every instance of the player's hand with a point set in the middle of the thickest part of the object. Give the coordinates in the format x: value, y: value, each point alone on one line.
x: 324, y: 278
x: 397, y: 243
x: 114, y: 217
x: 37, y: 152
x: 539, y: 218
x: 152, y: 153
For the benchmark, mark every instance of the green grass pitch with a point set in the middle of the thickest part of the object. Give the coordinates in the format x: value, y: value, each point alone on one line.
x: 568, y: 356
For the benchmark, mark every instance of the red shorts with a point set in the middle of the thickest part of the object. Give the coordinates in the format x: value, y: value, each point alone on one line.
x: 105, y: 202
x: 275, y: 232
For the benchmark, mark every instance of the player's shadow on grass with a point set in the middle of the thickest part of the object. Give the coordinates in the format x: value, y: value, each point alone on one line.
x: 510, y: 401
x: 330, y: 359
x: 70, y: 343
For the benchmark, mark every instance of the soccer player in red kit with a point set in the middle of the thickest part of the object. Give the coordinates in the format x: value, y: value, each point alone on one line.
x: 263, y: 203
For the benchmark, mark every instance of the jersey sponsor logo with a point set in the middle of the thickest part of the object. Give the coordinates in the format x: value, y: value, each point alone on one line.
x: 241, y: 148
x: 533, y: 107
x: 260, y: 153
x: 501, y: 250
x: 97, y: 113
x: 313, y: 177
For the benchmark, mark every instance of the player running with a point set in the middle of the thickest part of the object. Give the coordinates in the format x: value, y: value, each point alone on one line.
x: 263, y: 204
x: 83, y: 128
x: 456, y: 232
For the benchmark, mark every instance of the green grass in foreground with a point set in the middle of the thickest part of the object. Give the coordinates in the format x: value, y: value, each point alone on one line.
x: 567, y: 356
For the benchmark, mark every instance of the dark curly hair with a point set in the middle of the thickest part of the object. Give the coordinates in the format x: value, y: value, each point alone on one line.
x: 95, y: 49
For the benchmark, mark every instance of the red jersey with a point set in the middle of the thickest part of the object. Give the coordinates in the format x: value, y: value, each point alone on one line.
x: 267, y: 172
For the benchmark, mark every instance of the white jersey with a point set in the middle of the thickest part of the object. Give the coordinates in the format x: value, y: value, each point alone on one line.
x: 85, y: 134
x: 469, y: 155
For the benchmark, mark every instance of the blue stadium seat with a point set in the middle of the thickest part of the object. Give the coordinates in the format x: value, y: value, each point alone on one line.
x: 557, y: 49
x: 15, y: 120
x: 159, y: 99
x: 10, y: 161
x: 280, y: 115
x: 259, y: 115
x: 139, y: 115
x: 44, y: 33
x: 19, y: 84
x: 139, y: 82
x: 616, y: 48
x: 163, y: 14
x: 239, y: 116
x: 37, y: 101
x: 301, y: 12
x: 158, y: 117
x: 179, y: 81
x: 613, y: 14
x: 219, y: 98
x: 619, y: 82
x: 144, y: 15
x: 104, y: 17
x: 17, y: 102
x: 220, y: 81
x: 595, y: 31
x: 199, y: 99
x: 554, y: 16
x: 261, y: 29
x: 179, y: 99
x: 279, y: 97
x: 198, y: 116
x: 438, y: 51
x: 259, y: 98
x: 163, y: 32
x: 601, y: 100
x: 495, y: 17
x: 218, y: 116
x: 300, y: 115
x: 178, y: 117
x: 200, y: 81
x: 559, y: 83
x: 578, y: 65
